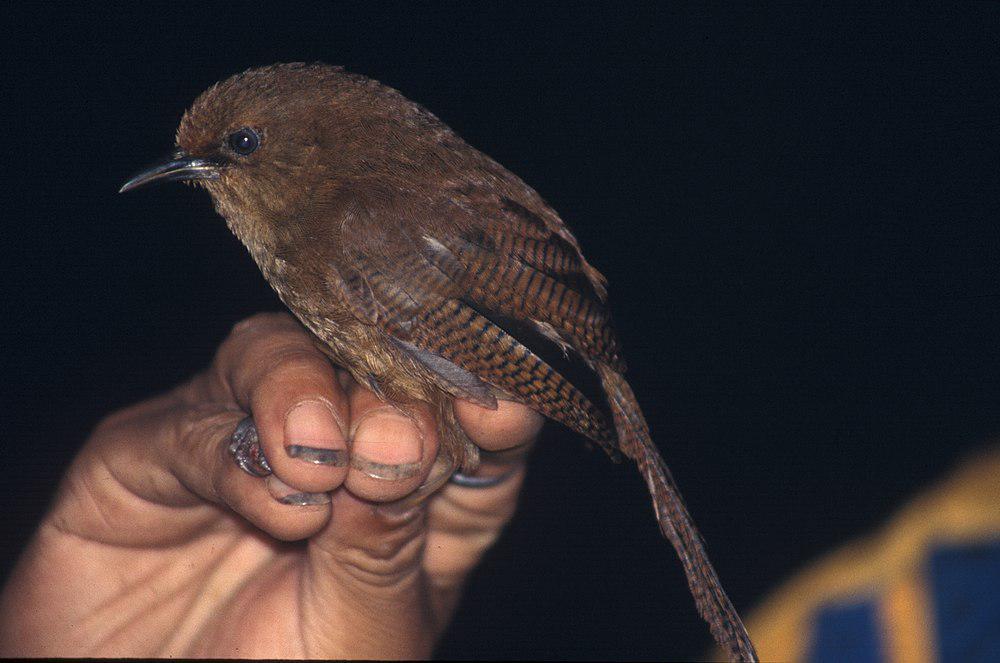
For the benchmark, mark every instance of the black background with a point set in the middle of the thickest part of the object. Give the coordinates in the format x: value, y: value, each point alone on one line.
x: 796, y: 208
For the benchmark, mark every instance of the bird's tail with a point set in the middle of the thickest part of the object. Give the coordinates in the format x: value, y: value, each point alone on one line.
x: 675, y: 522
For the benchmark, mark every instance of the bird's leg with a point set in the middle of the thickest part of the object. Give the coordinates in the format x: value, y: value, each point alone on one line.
x: 454, y: 441
x: 375, y: 388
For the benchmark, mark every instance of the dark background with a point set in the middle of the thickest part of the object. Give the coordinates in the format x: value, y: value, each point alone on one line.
x: 796, y: 208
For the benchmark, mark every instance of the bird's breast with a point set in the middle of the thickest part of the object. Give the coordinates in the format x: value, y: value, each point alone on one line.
x: 352, y: 343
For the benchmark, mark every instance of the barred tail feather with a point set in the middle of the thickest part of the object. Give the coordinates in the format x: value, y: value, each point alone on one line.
x: 675, y: 522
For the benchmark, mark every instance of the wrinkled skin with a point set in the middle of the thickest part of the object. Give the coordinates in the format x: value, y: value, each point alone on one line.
x: 158, y: 545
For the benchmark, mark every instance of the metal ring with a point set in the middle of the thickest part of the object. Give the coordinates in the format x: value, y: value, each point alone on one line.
x: 245, y: 449
x: 467, y: 481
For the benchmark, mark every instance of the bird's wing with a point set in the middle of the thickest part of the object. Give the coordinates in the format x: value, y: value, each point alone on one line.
x: 532, y: 281
x: 515, y: 310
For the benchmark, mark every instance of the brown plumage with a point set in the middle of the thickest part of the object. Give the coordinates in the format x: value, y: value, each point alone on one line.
x: 425, y: 269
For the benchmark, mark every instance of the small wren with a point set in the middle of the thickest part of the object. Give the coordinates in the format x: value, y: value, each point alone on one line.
x: 425, y: 269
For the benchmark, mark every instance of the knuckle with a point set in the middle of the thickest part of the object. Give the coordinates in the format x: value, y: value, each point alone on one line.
x: 194, y: 428
x: 270, y: 349
x: 292, y: 373
x: 246, y: 333
x: 292, y: 365
x: 294, y: 356
x: 259, y: 323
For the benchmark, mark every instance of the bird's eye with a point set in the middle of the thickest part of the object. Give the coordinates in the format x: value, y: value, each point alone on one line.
x: 244, y: 141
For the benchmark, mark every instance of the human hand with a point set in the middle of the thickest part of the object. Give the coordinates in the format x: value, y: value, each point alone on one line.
x: 157, y: 544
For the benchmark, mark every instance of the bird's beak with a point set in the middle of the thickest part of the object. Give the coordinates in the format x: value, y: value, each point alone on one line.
x: 176, y: 166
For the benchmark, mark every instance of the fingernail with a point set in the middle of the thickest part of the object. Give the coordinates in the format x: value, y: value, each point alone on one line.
x: 313, y: 435
x: 305, y: 499
x: 388, y: 471
x: 288, y: 495
x: 389, y: 435
x: 335, y: 457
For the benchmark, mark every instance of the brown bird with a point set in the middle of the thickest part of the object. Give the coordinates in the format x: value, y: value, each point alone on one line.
x: 426, y: 269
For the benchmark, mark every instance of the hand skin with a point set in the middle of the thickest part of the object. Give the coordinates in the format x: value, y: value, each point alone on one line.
x: 157, y: 544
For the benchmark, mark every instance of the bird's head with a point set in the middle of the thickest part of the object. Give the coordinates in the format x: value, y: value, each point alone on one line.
x: 270, y: 142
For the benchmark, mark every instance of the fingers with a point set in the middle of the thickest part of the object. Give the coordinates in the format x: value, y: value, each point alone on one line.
x: 367, y: 542
x: 392, y: 449
x: 318, y: 433
x: 202, y: 462
x: 393, y: 457
x: 504, y: 435
x: 510, y: 425
x: 277, y: 375
x: 269, y: 368
x: 364, y: 565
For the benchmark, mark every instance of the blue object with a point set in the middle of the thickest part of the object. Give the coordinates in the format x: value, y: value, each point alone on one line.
x: 965, y: 584
x: 847, y: 632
